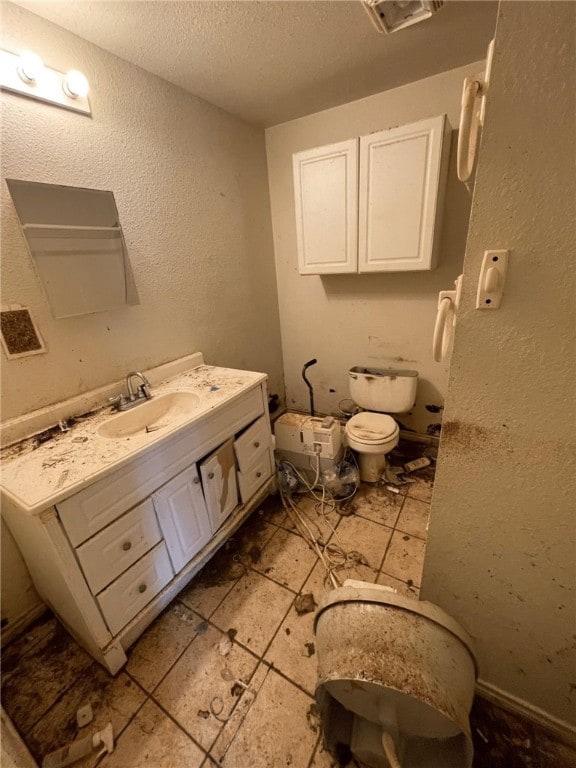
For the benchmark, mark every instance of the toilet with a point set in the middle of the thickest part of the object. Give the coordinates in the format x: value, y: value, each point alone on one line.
x: 396, y: 678
x: 372, y: 433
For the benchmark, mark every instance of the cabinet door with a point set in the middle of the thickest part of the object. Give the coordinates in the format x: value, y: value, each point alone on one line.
x: 183, y: 517
x: 326, y: 200
x: 218, y: 473
x: 402, y: 179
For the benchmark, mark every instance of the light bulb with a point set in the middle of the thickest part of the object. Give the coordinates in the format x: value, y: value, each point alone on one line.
x: 29, y: 67
x: 75, y: 84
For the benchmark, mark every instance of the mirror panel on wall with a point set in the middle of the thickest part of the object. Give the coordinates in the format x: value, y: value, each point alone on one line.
x: 77, y: 246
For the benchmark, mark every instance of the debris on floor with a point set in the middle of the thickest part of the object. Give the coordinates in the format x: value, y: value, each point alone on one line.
x: 84, y: 715
x: 103, y: 741
x: 225, y: 646
x: 47, y: 677
x: 183, y: 613
x: 504, y: 740
x: 304, y: 604
x: 310, y: 649
x: 412, y: 466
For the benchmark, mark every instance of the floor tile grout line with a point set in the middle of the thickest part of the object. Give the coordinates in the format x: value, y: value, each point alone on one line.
x: 280, y: 584
x: 177, y: 659
x: 152, y: 695
x: 288, y: 679
x: 411, y: 535
x: 179, y: 725
x: 117, y: 735
x: 210, y: 755
x: 315, y: 750
x: 233, y: 584
x: 404, y: 581
x: 225, y: 632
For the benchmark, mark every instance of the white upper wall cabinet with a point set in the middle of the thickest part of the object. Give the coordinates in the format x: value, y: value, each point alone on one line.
x: 401, y: 200
x: 326, y: 198
x: 394, y: 213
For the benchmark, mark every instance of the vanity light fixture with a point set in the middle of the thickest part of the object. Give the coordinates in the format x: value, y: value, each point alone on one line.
x: 26, y: 75
x: 30, y: 66
x: 75, y: 84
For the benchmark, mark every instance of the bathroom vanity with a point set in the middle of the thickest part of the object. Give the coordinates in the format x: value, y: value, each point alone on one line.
x: 116, y: 516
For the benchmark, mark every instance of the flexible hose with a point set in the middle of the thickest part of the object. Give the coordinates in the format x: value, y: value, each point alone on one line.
x: 390, y: 750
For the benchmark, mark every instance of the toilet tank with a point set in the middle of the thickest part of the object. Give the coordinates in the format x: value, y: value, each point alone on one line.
x: 380, y: 389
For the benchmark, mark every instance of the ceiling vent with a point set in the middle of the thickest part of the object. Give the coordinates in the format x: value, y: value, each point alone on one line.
x: 392, y: 15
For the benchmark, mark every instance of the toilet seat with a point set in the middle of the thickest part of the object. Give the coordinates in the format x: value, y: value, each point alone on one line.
x: 372, y: 428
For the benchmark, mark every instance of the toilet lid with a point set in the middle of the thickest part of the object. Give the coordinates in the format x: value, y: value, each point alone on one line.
x: 368, y: 427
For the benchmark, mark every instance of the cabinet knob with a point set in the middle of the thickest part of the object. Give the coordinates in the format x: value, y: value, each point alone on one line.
x: 258, y: 474
x: 196, y: 480
x: 142, y: 588
x: 257, y: 444
x: 211, y: 476
x: 126, y: 546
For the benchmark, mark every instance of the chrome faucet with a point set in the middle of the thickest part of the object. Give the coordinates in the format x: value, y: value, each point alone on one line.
x: 143, y: 389
x: 123, y: 402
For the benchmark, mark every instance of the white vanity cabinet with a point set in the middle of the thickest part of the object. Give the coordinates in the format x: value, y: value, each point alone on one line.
x: 373, y: 204
x: 109, y: 557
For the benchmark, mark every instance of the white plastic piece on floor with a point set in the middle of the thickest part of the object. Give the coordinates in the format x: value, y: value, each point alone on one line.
x: 412, y: 466
x: 103, y: 741
x: 84, y: 715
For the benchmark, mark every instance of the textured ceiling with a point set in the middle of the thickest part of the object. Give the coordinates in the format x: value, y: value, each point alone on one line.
x: 273, y: 61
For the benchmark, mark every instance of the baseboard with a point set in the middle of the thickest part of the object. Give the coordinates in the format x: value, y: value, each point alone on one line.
x: 17, y: 627
x: 560, y: 729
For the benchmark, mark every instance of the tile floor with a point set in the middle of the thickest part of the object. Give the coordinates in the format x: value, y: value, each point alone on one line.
x: 226, y: 675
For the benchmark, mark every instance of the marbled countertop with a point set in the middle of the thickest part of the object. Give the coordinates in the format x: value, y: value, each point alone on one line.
x: 36, y: 474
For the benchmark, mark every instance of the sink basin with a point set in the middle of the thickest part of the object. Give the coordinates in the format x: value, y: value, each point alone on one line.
x: 152, y: 416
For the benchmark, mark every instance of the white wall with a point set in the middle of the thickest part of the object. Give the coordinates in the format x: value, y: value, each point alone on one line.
x: 190, y: 186
x: 380, y: 320
x: 501, y: 550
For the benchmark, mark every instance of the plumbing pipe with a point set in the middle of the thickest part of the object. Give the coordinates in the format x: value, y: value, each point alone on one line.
x: 307, y: 365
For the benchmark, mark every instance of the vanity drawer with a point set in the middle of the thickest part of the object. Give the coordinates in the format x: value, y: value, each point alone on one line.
x: 255, y: 476
x: 113, y: 550
x: 122, y: 600
x: 250, y: 445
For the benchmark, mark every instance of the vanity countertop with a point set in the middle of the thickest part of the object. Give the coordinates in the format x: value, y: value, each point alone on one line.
x: 36, y: 475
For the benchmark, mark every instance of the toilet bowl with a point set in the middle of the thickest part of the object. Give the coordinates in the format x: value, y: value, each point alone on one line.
x: 372, y: 436
x: 394, y: 666
x: 373, y: 433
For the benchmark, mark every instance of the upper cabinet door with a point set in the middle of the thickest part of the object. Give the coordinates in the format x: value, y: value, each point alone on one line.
x: 402, y: 180
x: 326, y: 197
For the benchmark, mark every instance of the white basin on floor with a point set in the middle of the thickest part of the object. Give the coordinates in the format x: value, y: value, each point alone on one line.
x: 151, y: 416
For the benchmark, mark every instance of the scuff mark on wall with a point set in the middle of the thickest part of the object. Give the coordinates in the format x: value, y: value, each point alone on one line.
x: 463, y: 434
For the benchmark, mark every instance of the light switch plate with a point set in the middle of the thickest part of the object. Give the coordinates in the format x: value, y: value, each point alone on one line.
x: 492, y: 279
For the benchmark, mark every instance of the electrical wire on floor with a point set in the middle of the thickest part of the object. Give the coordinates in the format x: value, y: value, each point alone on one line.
x: 334, y: 555
x: 390, y: 750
